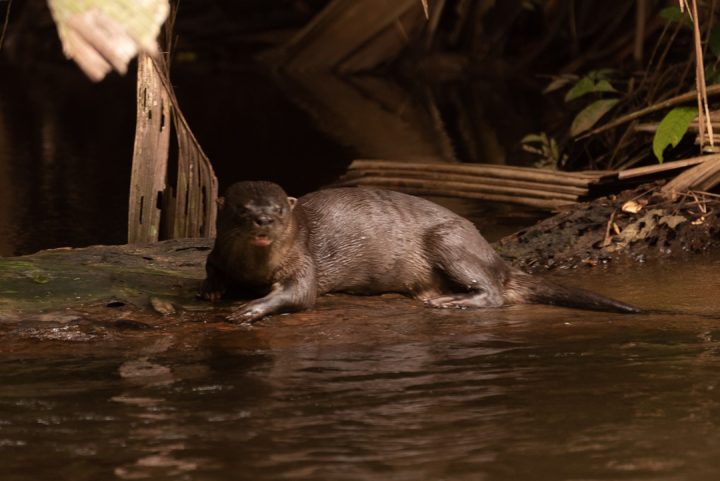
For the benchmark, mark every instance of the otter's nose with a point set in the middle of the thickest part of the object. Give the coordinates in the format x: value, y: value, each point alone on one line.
x: 263, y: 220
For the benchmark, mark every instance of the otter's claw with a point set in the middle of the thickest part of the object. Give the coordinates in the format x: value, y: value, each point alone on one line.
x: 248, y: 313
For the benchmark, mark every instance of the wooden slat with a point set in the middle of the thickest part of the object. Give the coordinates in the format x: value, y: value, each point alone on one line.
x: 403, y: 182
x: 701, y: 177
x: 655, y: 169
x: 359, y: 175
x: 487, y: 170
x: 510, y: 199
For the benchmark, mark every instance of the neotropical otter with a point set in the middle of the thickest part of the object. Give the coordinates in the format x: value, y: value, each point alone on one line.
x: 286, y: 252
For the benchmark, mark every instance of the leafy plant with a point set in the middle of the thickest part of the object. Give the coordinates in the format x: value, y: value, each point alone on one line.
x: 672, y: 128
x: 595, y: 82
x: 673, y: 14
x: 589, y: 116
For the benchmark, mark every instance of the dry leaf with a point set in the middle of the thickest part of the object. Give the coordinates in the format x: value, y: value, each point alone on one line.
x: 633, y: 207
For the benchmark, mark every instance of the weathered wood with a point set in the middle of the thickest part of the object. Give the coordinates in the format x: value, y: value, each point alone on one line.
x: 510, y: 199
x: 659, y: 168
x: 486, y: 170
x: 704, y: 176
x: 453, y: 188
x: 357, y: 176
x: 149, y: 167
x: 191, y: 212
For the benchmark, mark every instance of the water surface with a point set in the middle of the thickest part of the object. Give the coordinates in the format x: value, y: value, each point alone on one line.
x: 380, y: 388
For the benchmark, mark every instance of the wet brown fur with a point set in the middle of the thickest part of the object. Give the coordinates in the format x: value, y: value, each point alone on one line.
x: 363, y: 241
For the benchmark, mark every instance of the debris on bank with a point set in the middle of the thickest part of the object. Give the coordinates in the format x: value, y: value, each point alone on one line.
x: 635, y: 225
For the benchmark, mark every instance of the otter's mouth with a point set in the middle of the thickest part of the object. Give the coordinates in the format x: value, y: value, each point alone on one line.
x: 261, y: 240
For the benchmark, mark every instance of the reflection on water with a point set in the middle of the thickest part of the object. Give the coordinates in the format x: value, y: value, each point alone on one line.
x: 66, y: 144
x: 382, y: 389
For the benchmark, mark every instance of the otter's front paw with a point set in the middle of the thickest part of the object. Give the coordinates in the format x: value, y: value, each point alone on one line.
x: 212, y: 289
x: 250, y: 312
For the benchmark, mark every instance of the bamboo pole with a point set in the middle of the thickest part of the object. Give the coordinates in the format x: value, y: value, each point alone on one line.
x: 456, y: 187
x: 510, y: 199
x: 486, y: 170
x: 701, y: 177
x: 359, y: 175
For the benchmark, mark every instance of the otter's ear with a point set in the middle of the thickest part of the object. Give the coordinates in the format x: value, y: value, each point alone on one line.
x: 291, y: 202
x: 220, y: 202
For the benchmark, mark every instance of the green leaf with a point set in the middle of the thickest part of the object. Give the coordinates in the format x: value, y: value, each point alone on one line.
x: 672, y: 128
x: 559, y: 82
x: 674, y: 14
x: 604, y: 86
x: 587, y: 85
x: 583, y: 86
x: 590, y: 115
x: 601, y: 73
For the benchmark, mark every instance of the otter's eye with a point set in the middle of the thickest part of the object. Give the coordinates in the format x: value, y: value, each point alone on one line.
x: 277, y: 209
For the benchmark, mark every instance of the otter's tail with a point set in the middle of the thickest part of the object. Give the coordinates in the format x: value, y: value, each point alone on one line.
x: 524, y: 288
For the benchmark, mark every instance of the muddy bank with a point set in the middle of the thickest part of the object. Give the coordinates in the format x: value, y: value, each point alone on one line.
x: 636, y: 225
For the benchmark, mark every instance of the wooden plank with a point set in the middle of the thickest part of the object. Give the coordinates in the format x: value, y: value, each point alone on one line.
x: 150, y: 154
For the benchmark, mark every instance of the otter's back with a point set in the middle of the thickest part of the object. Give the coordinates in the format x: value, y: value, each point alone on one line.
x: 368, y: 241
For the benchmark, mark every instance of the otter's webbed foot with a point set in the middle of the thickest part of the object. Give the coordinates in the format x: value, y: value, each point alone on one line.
x: 250, y: 312
x: 463, y: 301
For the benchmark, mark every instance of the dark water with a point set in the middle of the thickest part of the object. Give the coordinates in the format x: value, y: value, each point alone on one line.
x: 66, y: 144
x: 66, y: 148
x: 381, y: 388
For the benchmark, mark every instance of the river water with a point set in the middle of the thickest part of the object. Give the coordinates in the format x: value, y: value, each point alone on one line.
x: 381, y: 388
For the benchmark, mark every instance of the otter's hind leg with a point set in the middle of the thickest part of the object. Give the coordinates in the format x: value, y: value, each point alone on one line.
x: 472, y: 269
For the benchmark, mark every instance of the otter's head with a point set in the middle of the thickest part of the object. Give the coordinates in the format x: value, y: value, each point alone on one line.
x: 255, y: 212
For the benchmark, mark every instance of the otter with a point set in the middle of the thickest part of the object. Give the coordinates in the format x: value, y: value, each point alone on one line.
x: 285, y: 252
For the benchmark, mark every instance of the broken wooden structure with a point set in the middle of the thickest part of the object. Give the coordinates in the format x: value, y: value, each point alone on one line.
x: 158, y: 210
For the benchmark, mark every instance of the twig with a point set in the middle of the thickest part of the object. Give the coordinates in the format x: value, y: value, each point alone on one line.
x: 5, y: 24
x: 671, y: 102
x: 606, y: 239
x: 703, y: 108
x: 640, y: 15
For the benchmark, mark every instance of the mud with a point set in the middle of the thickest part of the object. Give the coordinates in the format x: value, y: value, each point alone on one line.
x: 637, y: 225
